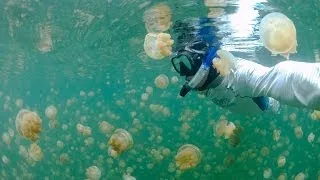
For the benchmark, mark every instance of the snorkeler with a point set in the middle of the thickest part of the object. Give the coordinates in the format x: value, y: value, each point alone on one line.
x: 237, y: 84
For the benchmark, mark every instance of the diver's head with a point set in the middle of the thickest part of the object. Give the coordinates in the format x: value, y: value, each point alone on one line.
x: 194, y: 62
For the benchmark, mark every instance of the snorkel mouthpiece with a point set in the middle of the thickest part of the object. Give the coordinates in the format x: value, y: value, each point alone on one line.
x: 201, y: 73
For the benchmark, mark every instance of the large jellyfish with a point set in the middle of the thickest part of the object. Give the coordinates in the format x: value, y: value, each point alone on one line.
x: 158, y: 46
x: 93, y: 173
x: 278, y: 34
x: 120, y: 141
x: 28, y: 124
x: 188, y: 156
x: 158, y: 18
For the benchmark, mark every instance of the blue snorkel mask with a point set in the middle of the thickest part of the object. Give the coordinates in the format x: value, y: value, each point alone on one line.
x: 202, y: 73
x: 197, y: 47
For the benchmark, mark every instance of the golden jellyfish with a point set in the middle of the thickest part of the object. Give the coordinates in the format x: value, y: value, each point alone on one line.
x: 158, y: 46
x: 35, y: 152
x: 224, y: 128
x: 120, y: 141
x: 215, y: 3
x: 51, y: 112
x: 93, y: 173
x: 158, y: 18
x: 162, y: 81
x: 6, y: 138
x: 278, y: 34
x: 267, y: 173
x: 224, y: 62
x: 188, y: 156
x: 28, y: 124
x: 315, y: 115
x: 281, y: 161
x: 106, y: 127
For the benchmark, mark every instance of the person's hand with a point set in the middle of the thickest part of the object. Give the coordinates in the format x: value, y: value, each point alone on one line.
x: 158, y: 46
x: 224, y: 62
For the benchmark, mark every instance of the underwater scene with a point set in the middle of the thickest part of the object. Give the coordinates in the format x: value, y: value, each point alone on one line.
x: 159, y: 90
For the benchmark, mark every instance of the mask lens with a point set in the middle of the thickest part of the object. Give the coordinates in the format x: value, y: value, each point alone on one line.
x: 182, y: 64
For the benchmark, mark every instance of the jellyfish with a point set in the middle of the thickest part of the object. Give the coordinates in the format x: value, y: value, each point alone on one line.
x: 162, y: 81
x: 93, y: 173
x: 188, y: 156
x: 267, y: 173
x: 281, y: 161
x: 158, y: 46
x: 35, y: 152
x: 224, y: 128
x: 28, y: 124
x: 215, y: 3
x: 298, y: 132
x: 300, y: 176
x: 64, y: 158
x: 120, y: 141
x: 128, y: 177
x: 106, y: 127
x: 278, y: 34
x: 5, y: 159
x: 224, y: 62
x: 315, y: 115
x: 158, y: 18
x: 311, y: 137
x: 6, y: 138
x: 51, y: 112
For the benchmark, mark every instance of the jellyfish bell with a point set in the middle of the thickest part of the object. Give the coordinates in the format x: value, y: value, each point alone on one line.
x: 93, y: 173
x: 278, y: 34
x: 28, y: 124
x: 51, y: 112
x: 120, y: 141
x: 158, y: 18
x: 158, y: 46
x: 188, y: 156
x: 35, y: 152
x: 161, y: 81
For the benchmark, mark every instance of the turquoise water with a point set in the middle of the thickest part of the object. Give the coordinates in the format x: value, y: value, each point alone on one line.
x: 87, y: 59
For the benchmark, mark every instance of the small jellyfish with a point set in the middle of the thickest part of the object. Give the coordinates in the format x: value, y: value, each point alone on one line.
x: 300, y: 176
x: 28, y: 124
x: 51, y: 112
x: 93, y: 173
x: 162, y: 81
x: 224, y: 128
x: 158, y: 46
x: 281, y: 161
x: 158, y: 18
x: 315, y: 115
x: 128, y: 177
x: 267, y: 173
x: 278, y: 34
x: 6, y: 138
x: 106, y: 127
x: 298, y: 132
x: 120, y: 141
x: 35, y: 152
x: 64, y: 158
x: 188, y: 156
x: 174, y: 79
x: 311, y: 137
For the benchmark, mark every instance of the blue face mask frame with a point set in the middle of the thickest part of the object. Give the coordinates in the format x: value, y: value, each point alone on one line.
x: 201, y: 74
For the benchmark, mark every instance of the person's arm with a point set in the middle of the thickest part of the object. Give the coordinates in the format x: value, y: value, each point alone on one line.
x: 290, y: 82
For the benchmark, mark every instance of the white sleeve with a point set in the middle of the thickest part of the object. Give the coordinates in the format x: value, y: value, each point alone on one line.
x: 290, y: 82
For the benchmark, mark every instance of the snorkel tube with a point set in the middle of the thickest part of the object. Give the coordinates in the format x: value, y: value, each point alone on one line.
x: 201, y: 73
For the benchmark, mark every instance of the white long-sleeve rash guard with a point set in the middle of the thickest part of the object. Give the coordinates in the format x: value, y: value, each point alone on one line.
x: 290, y: 82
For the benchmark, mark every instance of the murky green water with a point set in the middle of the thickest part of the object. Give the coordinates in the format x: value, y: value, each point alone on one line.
x: 86, y: 58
